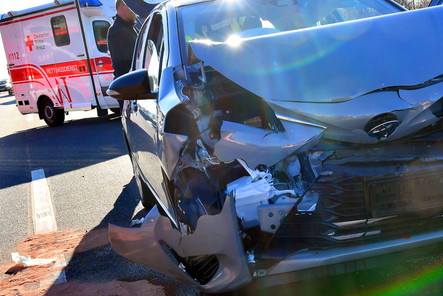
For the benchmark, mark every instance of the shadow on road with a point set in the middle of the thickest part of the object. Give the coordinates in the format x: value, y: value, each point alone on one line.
x: 101, y: 263
x: 11, y: 102
x: 94, y: 261
x: 75, y: 144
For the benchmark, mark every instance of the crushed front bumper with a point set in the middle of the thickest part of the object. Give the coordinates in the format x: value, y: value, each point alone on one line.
x: 157, y: 245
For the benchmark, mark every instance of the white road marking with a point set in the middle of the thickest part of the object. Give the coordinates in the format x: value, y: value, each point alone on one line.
x: 44, y: 218
x: 42, y: 209
x: 29, y: 118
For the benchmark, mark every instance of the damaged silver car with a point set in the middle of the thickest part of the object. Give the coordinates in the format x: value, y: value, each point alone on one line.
x: 274, y: 137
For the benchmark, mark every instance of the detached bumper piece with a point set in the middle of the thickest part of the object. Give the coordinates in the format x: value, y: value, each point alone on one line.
x: 211, y: 258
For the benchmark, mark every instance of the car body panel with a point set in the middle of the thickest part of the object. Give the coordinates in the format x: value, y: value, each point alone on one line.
x: 312, y: 259
x: 5, y: 85
x: 255, y: 155
x: 395, y: 89
x: 304, y: 59
x: 258, y: 146
x: 435, y: 2
x: 216, y: 234
x: 343, y: 127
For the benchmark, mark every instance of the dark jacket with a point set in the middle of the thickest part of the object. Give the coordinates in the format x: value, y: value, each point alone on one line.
x: 121, y: 40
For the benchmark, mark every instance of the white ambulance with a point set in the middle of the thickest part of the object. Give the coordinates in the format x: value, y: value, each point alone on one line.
x: 58, y: 57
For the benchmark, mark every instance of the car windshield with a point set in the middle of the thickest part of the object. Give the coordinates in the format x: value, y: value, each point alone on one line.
x: 221, y: 20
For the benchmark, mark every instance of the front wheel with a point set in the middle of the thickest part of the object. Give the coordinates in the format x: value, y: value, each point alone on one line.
x: 146, y: 196
x: 51, y: 115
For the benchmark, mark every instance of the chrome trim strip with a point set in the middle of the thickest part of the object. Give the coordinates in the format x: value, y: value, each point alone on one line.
x: 290, y: 119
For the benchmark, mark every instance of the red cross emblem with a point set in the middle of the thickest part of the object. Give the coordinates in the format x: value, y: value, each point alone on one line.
x: 29, y: 43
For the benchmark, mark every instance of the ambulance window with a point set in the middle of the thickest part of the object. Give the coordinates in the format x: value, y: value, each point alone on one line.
x: 60, y: 30
x: 100, y: 34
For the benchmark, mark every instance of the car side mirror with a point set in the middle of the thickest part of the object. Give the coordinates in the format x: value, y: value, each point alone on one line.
x: 132, y: 86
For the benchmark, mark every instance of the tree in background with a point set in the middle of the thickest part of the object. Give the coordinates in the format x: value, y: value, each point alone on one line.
x: 413, y: 4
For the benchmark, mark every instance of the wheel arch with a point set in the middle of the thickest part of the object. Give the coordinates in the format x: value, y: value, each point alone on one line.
x: 40, y: 100
x: 49, y: 113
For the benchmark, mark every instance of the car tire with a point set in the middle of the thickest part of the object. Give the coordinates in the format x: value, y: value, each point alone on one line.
x: 51, y: 115
x: 146, y: 197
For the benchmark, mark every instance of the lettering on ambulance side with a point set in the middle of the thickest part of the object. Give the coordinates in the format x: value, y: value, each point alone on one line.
x: 74, y: 68
x: 67, y: 95
x: 13, y: 56
x: 60, y: 72
x: 103, y: 65
x: 36, y: 40
x: 29, y: 73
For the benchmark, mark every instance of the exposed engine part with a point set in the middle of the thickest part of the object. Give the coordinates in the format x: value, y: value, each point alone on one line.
x: 196, y: 196
x: 251, y: 258
x: 309, y: 202
x: 203, y: 155
x: 270, y: 216
x: 253, y: 191
x: 202, y: 181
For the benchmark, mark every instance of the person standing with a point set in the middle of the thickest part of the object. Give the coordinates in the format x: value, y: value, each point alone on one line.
x: 121, y: 40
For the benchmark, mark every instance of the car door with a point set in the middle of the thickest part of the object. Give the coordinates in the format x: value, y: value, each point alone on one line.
x: 144, y: 119
x: 102, y: 65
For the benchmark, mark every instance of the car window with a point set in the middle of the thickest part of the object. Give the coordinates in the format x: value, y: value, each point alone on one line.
x: 220, y: 20
x: 155, y: 35
x: 60, y: 30
x: 100, y: 35
x: 139, y: 55
x: 154, y: 49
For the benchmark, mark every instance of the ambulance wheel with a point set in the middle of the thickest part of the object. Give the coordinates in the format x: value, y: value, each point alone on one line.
x: 101, y: 112
x: 116, y: 111
x: 51, y: 115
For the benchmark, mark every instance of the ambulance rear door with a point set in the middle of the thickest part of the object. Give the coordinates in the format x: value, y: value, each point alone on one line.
x: 100, y: 57
x: 71, y: 71
x: 22, y: 72
x: 96, y: 17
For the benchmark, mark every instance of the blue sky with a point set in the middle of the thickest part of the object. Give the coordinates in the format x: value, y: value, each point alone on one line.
x: 11, y: 5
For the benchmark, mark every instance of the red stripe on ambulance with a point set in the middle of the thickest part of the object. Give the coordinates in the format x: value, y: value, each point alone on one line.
x: 66, y: 69
x: 36, y: 16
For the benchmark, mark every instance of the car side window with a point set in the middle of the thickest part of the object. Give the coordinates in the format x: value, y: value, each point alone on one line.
x: 139, y: 52
x: 155, y: 39
x: 100, y: 35
x: 154, y: 49
x: 60, y: 30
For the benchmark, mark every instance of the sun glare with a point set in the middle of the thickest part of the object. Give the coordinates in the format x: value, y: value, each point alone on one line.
x: 234, y: 41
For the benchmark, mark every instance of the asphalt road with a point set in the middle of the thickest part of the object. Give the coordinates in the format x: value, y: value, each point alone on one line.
x: 85, y: 164
x: 89, y: 177
x: 90, y: 182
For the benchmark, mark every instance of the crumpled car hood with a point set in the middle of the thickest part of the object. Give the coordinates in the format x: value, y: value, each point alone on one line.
x: 334, y: 63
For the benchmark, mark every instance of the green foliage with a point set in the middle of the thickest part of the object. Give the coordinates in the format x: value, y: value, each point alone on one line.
x: 413, y: 4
